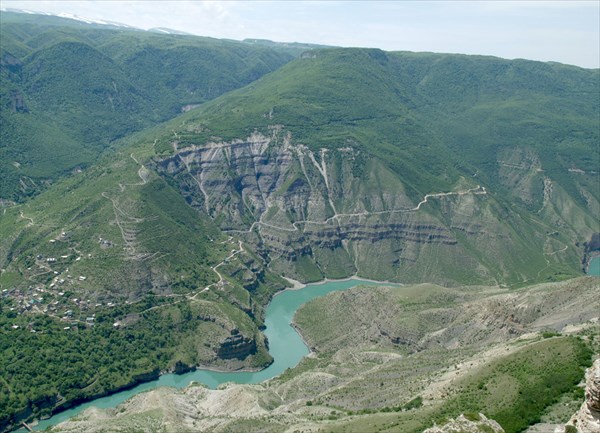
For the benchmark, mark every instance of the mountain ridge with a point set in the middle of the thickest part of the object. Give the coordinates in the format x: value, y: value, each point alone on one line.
x: 423, y: 157
x: 55, y: 72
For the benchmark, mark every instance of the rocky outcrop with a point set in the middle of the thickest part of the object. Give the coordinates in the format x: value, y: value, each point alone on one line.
x: 181, y: 367
x: 473, y: 423
x: 236, y: 346
x: 587, y: 419
x: 147, y: 376
x: 593, y: 244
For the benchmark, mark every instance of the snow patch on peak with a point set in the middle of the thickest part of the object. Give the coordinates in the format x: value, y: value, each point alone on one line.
x: 69, y: 16
x: 91, y: 20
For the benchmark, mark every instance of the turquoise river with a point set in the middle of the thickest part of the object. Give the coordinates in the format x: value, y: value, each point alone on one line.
x: 594, y: 268
x: 285, y: 345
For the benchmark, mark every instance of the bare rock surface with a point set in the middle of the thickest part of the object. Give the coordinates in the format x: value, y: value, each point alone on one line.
x: 587, y: 419
x: 545, y: 428
x: 469, y: 424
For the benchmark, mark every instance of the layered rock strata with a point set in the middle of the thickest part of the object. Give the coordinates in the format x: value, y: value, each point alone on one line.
x: 311, y: 214
x: 236, y: 346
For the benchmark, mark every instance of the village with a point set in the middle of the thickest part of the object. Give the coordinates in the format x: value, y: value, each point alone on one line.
x: 54, y: 282
x: 54, y: 287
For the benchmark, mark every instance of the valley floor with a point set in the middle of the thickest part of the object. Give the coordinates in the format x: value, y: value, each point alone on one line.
x: 398, y: 359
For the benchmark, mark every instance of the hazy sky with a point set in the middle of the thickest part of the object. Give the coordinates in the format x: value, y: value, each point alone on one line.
x: 562, y: 31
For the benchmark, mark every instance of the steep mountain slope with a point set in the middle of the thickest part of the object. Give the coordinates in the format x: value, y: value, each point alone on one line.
x: 105, y: 260
x: 69, y: 89
x: 359, y: 161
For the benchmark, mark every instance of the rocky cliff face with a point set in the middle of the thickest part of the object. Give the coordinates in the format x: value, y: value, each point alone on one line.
x: 587, y: 420
x: 336, y: 212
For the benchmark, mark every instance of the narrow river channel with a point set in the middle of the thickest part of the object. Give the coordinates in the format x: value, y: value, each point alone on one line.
x: 285, y: 345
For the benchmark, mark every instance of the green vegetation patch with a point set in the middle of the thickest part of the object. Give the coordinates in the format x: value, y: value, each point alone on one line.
x: 69, y: 90
x: 46, y: 363
x: 516, y: 389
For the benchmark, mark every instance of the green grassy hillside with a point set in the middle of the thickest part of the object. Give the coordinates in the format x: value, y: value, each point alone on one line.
x: 395, y: 127
x: 69, y: 89
x: 413, y: 110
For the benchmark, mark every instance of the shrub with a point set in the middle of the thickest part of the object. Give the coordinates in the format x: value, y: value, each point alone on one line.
x: 472, y: 416
x: 414, y: 403
x: 549, y: 334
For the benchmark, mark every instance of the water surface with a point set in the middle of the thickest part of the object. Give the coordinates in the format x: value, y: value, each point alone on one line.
x: 594, y: 268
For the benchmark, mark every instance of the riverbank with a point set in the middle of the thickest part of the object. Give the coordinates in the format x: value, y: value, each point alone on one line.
x: 311, y: 350
x: 216, y: 369
x: 297, y: 285
x: 286, y: 345
x: 139, y: 380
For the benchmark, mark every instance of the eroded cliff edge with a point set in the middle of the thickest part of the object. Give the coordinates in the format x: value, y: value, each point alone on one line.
x: 316, y: 213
